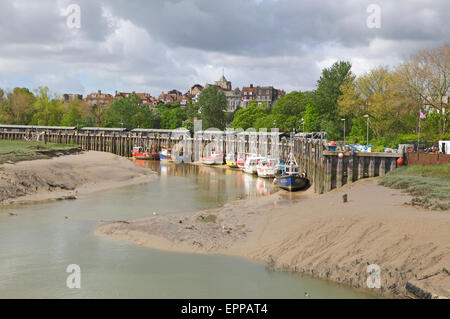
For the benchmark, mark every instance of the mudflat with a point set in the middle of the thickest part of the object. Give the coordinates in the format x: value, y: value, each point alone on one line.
x: 66, y: 177
x: 318, y: 235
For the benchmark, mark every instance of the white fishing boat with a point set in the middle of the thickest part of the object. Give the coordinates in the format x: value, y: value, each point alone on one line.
x: 251, y: 164
x: 164, y: 154
x: 240, y: 161
x: 215, y: 158
x: 231, y: 160
x: 267, y: 167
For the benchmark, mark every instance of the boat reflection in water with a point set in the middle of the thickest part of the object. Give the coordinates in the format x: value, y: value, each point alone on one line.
x: 220, y: 181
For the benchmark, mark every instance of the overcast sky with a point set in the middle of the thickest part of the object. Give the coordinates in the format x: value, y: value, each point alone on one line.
x: 155, y: 46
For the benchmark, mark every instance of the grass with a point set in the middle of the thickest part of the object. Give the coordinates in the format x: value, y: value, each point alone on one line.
x: 15, y: 151
x: 430, y: 185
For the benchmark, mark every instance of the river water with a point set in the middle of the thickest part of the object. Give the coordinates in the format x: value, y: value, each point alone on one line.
x: 39, y: 241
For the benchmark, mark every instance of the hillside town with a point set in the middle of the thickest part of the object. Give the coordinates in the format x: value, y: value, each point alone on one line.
x: 236, y: 98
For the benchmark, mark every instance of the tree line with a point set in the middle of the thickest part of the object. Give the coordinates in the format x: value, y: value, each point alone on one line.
x: 41, y: 107
x: 392, y: 99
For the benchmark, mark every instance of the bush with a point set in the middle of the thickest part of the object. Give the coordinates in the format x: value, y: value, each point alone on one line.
x: 424, y: 183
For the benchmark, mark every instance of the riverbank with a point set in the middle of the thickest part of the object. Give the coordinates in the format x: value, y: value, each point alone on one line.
x: 429, y: 185
x: 317, y: 235
x: 21, y: 150
x: 68, y: 176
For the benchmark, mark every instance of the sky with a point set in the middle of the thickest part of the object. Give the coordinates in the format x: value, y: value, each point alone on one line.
x: 154, y: 46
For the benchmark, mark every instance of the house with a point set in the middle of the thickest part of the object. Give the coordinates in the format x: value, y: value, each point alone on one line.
x: 172, y: 96
x: 233, y: 99
x: 267, y: 95
x: 71, y: 97
x: 99, y: 98
x: 184, y: 100
x: 248, y: 94
x: 195, y: 89
x: 146, y: 98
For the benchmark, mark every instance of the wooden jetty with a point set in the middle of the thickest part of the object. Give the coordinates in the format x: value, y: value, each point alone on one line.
x: 324, y: 168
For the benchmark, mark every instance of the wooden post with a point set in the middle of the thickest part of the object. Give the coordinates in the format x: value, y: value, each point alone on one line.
x: 372, y: 167
x: 328, y: 164
x: 339, y: 172
x: 361, y: 168
x: 382, y: 167
x: 350, y: 170
x: 393, y: 164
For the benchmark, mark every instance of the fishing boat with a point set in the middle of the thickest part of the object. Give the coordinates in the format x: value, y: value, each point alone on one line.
x: 139, y: 153
x: 164, y: 154
x: 215, y: 158
x: 231, y: 160
x: 291, y: 179
x: 251, y: 164
x: 240, y: 161
x: 267, y: 167
x: 280, y: 167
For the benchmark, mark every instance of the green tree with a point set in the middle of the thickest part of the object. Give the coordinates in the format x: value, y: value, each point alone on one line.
x: 173, y: 118
x: 424, y: 79
x: 290, y: 109
x: 48, y: 110
x: 374, y: 93
x: 192, y: 110
x: 267, y: 122
x: 188, y: 124
x: 129, y: 112
x: 246, y: 118
x: 17, y: 108
x: 326, y: 97
x: 212, y: 104
x: 72, y: 117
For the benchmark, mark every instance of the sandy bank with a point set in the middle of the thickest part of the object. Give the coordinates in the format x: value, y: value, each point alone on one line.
x: 318, y: 235
x: 66, y: 177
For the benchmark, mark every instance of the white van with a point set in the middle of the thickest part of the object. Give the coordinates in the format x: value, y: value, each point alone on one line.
x: 444, y: 147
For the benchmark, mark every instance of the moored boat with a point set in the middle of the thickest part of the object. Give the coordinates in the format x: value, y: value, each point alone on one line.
x: 267, y: 167
x: 291, y: 179
x: 231, y: 160
x: 251, y: 164
x: 240, y: 161
x: 164, y: 154
x: 215, y: 158
x: 139, y: 153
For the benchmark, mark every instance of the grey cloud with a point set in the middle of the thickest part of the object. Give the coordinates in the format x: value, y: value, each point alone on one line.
x: 159, y: 45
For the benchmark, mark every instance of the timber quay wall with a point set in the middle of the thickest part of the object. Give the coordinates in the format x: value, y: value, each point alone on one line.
x: 327, y: 171
x: 324, y: 168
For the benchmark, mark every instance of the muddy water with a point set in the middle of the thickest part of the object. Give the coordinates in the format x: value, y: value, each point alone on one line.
x: 38, y: 242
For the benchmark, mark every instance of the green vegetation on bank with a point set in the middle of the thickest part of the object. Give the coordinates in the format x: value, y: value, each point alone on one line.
x: 16, y: 151
x: 430, y: 185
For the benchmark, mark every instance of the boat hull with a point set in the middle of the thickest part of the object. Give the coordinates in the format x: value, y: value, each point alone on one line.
x: 164, y: 157
x: 231, y: 164
x: 144, y: 156
x: 266, y: 174
x: 292, y: 183
x: 250, y: 171
x: 213, y: 160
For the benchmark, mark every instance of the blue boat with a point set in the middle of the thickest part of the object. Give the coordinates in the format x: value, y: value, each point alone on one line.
x: 290, y: 179
x: 281, y: 166
x: 164, y: 155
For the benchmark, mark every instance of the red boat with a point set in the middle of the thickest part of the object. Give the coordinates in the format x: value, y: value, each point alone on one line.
x: 139, y: 153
